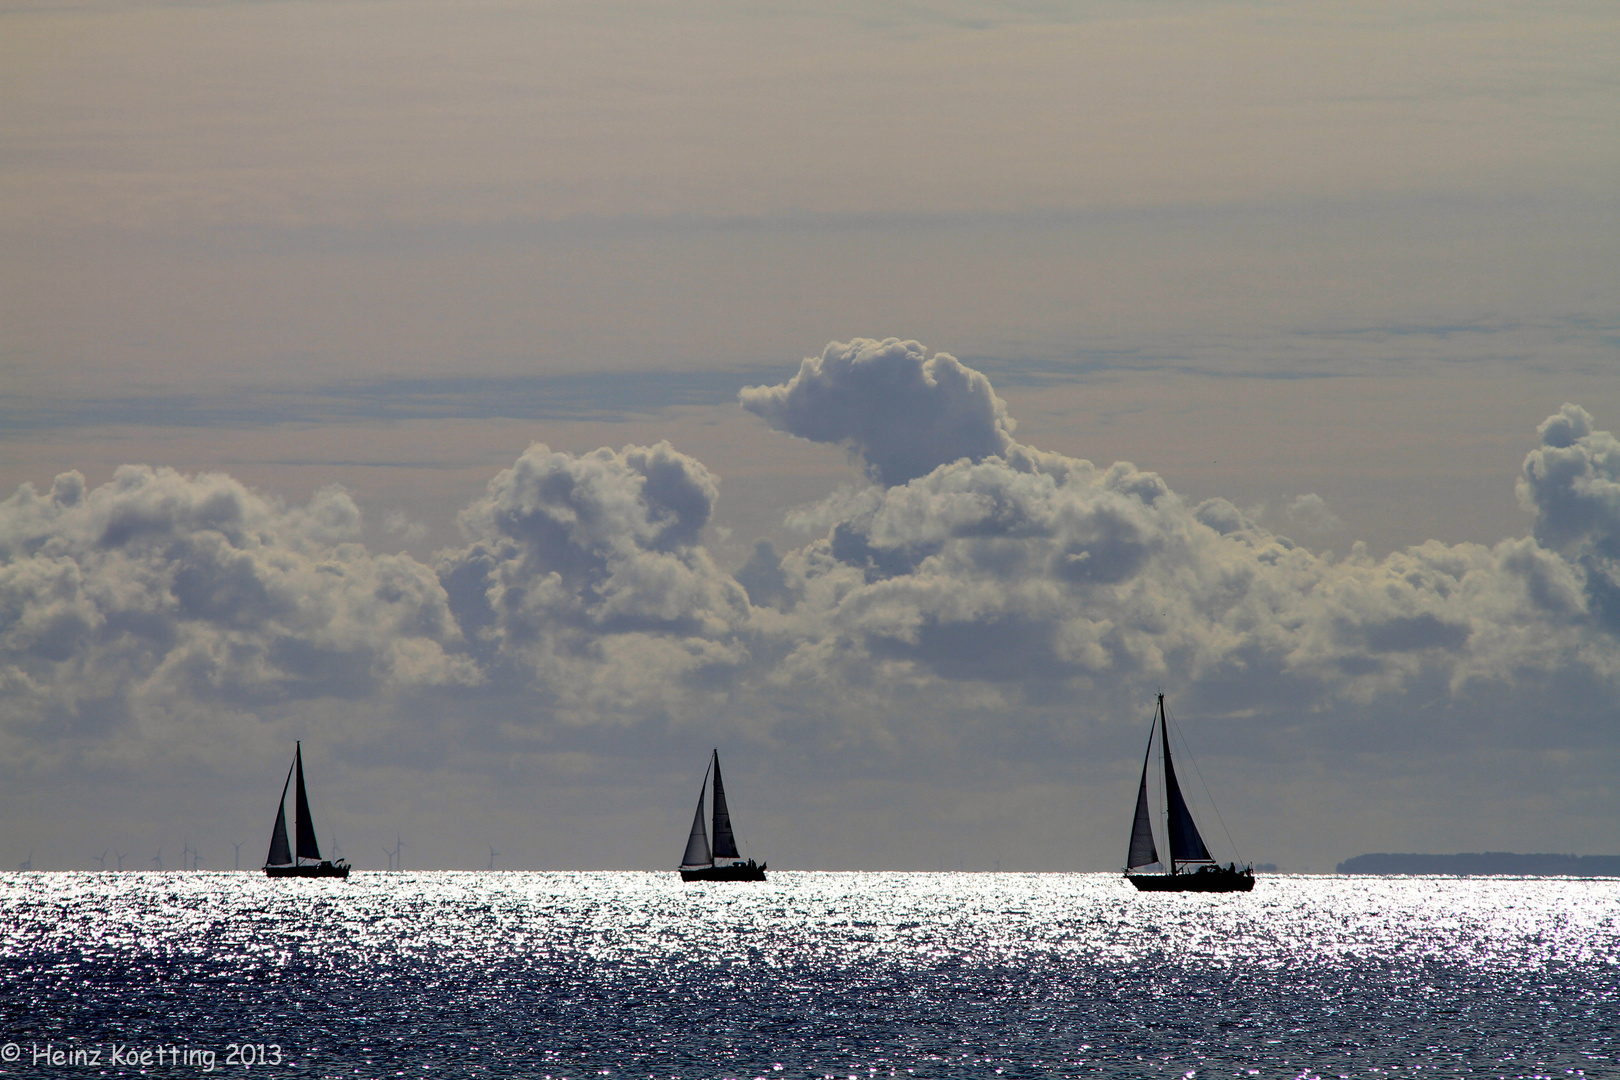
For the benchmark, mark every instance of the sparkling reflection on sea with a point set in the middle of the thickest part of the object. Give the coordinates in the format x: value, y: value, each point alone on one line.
x: 812, y: 975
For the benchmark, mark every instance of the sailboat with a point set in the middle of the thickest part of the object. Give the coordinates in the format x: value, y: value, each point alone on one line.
x: 281, y: 862
x: 701, y: 864
x: 1190, y: 868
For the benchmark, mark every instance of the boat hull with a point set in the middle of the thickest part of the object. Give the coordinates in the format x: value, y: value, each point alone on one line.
x: 748, y: 871
x: 322, y: 869
x: 1214, y: 880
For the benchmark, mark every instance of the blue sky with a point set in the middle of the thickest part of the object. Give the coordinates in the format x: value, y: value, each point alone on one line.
x: 340, y: 266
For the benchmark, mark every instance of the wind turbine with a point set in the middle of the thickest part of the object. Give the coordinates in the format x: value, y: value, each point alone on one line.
x: 185, y: 856
x: 238, y: 854
x: 157, y: 860
x: 28, y: 863
x: 102, y: 859
x: 395, y: 861
x: 120, y: 855
x: 492, y: 854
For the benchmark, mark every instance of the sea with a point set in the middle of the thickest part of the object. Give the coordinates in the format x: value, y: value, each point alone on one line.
x: 808, y: 976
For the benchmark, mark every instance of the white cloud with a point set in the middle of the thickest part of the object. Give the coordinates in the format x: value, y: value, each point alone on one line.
x: 1572, y: 484
x: 992, y: 599
x: 588, y: 571
x: 900, y: 410
x: 1310, y: 514
x: 396, y: 523
x: 1024, y: 565
x: 585, y: 579
x: 159, y: 588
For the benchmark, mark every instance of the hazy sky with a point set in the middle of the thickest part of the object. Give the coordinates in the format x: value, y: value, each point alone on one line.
x: 429, y: 382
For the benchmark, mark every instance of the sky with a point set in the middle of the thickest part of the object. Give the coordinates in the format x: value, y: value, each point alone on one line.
x: 515, y: 401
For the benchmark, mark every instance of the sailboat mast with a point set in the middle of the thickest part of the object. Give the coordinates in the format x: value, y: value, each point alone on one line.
x: 1164, y: 772
x: 299, y: 800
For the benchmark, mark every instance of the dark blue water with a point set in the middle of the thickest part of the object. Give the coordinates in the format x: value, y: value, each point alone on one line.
x: 809, y: 975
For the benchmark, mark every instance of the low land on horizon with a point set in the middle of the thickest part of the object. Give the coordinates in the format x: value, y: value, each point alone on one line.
x: 1489, y: 862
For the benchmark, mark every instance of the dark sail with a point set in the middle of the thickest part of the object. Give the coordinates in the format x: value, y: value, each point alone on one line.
x: 725, y: 845
x: 280, y: 853
x: 303, y: 826
x: 1185, y: 843
x: 1143, y: 852
x: 697, y: 843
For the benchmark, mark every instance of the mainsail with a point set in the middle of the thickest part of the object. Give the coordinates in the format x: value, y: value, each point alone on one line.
x: 1185, y: 844
x: 725, y: 845
x: 302, y: 824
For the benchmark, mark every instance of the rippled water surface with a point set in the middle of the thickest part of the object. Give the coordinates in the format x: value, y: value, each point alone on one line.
x: 809, y: 975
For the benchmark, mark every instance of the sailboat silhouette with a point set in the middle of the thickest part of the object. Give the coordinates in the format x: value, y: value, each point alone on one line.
x: 306, y: 862
x: 1190, y: 868
x: 724, y: 862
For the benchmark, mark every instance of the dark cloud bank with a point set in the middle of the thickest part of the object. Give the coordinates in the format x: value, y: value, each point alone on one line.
x: 976, y: 605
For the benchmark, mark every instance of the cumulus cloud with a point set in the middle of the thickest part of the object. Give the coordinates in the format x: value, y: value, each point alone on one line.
x: 158, y: 586
x: 980, y: 585
x: 581, y: 561
x: 901, y: 411
x: 1016, y: 566
x: 993, y: 572
x: 397, y: 524
x: 1310, y: 514
x: 1572, y: 484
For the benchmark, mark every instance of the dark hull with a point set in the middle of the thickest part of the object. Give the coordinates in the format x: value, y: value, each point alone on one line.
x: 324, y: 869
x: 747, y: 871
x: 1214, y: 880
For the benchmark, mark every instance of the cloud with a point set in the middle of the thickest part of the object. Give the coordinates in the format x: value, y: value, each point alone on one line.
x: 584, y: 580
x: 397, y: 524
x: 900, y: 410
x: 1005, y: 571
x: 968, y: 606
x: 157, y: 587
x: 1572, y: 484
x: 1020, y: 566
x: 1310, y: 514
x: 579, y: 563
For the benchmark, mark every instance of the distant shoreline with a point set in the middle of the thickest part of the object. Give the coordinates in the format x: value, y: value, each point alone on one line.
x: 1488, y: 862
